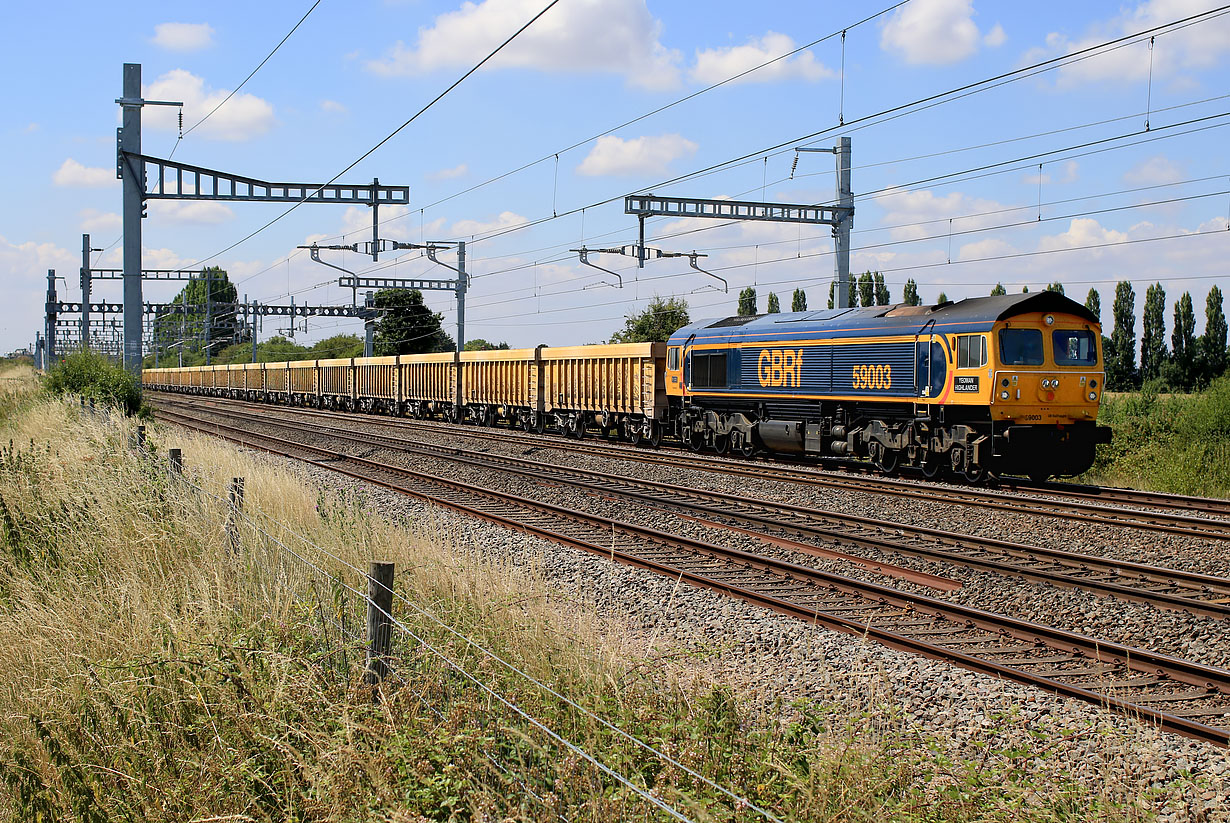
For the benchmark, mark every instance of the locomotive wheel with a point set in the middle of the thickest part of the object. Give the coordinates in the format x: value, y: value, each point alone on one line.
x: 975, y: 475
x: 721, y: 443
x: 932, y: 469
x: 888, y: 460
x: 743, y: 443
x: 695, y: 440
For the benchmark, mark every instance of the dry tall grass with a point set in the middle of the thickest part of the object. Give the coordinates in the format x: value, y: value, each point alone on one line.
x: 147, y: 672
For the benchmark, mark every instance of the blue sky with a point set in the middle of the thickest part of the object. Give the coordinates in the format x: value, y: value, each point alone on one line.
x: 354, y: 71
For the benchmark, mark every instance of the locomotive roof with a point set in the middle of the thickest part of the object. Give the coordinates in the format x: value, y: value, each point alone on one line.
x: 972, y: 310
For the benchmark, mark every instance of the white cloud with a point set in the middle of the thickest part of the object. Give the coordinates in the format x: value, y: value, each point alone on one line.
x: 25, y: 266
x: 640, y: 155
x: 243, y: 117
x: 31, y: 128
x: 450, y: 174
x: 995, y: 37
x: 333, y: 107
x: 1175, y: 53
x: 72, y: 173
x: 506, y: 219
x: 1156, y: 170
x: 1082, y: 231
x: 615, y: 36
x: 923, y: 213
x: 195, y: 212
x: 183, y: 36
x: 935, y: 32
x: 715, y: 65
x: 93, y: 220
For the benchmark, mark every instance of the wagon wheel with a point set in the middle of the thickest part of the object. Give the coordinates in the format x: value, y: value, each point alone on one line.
x: 635, y: 434
x: 1039, y: 475
x: 721, y: 443
x: 579, y: 428
x: 539, y: 423
x: 655, y: 434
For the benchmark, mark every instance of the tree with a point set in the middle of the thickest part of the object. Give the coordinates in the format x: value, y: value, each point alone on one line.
x: 1182, y: 371
x: 832, y: 295
x: 1024, y: 289
x: 224, y: 328
x: 799, y: 301
x: 1056, y: 287
x: 866, y: 290
x: 1153, y: 334
x: 999, y: 290
x: 883, y: 296
x: 943, y: 298
x: 408, y: 326
x: 656, y: 323
x: 747, y: 302
x: 1213, y: 341
x: 775, y: 306
x: 910, y: 293
x: 1121, y: 359
x: 1093, y: 302
x: 479, y: 344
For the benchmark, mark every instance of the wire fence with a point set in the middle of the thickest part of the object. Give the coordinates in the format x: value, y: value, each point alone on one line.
x: 531, y: 735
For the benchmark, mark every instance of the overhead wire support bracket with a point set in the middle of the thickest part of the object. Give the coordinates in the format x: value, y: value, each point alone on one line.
x: 584, y: 254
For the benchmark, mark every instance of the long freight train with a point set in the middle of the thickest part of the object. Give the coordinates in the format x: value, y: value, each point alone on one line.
x: 988, y: 385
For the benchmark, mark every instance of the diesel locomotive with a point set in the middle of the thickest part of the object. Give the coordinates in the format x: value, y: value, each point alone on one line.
x: 988, y: 385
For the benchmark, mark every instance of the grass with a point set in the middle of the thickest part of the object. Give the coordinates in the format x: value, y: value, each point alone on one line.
x: 148, y: 672
x: 1176, y: 443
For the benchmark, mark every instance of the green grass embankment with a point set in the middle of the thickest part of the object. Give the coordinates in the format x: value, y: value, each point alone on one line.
x: 1177, y: 443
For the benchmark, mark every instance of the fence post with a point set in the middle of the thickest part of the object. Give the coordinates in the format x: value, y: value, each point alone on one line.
x: 379, y: 624
x: 140, y: 438
x: 232, y: 517
x: 91, y: 404
x: 82, y: 399
x: 177, y: 461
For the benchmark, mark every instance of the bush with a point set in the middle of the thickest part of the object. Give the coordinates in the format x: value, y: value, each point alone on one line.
x: 1173, y: 443
x: 93, y: 377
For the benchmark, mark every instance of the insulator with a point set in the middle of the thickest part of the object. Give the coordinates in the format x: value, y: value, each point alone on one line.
x: 794, y: 165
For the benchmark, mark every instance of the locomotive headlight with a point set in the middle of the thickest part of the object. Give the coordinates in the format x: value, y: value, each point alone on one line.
x: 1093, y: 396
x: 1049, y: 320
x: 1003, y: 395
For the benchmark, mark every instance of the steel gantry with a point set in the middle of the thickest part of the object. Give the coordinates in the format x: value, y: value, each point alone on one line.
x: 180, y: 181
x: 840, y: 216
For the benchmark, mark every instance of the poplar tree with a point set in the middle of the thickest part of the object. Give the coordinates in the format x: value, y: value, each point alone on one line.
x: 866, y: 289
x: 747, y: 302
x: 1213, y: 341
x: 775, y: 306
x: 1153, y: 334
x: 1093, y: 302
x: 943, y: 298
x: 1121, y: 359
x: 1056, y: 286
x: 910, y: 293
x: 883, y: 297
x: 832, y: 295
x: 799, y: 301
x: 1182, y: 373
x: 999, y: 290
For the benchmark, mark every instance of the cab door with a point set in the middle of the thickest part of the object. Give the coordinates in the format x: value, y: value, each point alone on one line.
x: 674, y: 370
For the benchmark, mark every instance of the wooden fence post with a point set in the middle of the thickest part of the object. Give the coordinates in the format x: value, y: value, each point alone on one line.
x: 232, y: 517
x: 177, y: 461
x: 379, y: 624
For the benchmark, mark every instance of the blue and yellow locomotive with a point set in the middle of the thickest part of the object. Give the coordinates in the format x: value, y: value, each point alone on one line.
x: 989, y: 385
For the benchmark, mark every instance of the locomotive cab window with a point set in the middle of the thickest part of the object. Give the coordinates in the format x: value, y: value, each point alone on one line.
x: 1020, y: 347
x: 672, y: 358
x: 708, y: 370
x: 971, y: 351
x: 1074, y: 347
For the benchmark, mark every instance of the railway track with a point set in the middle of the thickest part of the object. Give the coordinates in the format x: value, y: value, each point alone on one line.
x: 1085, y: 510
x: 1180, y: 696
x: 785, y: 524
